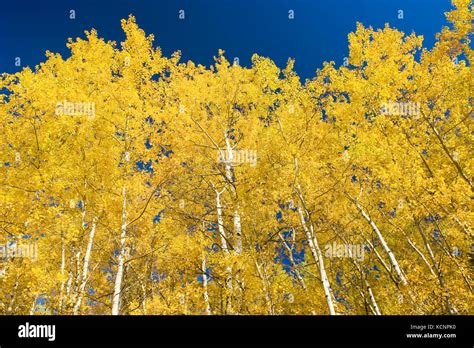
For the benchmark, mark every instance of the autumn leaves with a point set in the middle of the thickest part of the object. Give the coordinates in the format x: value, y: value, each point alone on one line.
x: 180, y: 181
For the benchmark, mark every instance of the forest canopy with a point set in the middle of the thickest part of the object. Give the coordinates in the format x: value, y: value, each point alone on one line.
x: 135, y: 183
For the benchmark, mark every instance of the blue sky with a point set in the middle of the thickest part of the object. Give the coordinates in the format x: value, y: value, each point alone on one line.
x: 318, y: 32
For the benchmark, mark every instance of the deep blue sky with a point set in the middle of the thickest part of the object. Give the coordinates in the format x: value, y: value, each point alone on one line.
x: 240, y: 27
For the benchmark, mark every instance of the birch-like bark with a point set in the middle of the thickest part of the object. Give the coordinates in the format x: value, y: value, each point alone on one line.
x: 382, y: 261
x: 411, y: 293
x: 373, y: 301
x: 448, y: 153
x: 372, y: 298
x: 439, y: 273
x: 318, y: 257
x: 230, y: 178
x: 423, y: 257
x: 465, y: 275
x: 293, y: 263
x: 144, y: 299
x: 391, y: 256
x: 374, y: 306
x: 85, y: 268
x: 308, y: 236
x: 204, y: 285
x: 266, y: 290
x: 69, y: 284
x: 237, y: 232
x: 220, y: 222
x: 464, y: 227
x: 79, y: 253
x: 313, y: 244
x: 224, y: 246
x: 121, y: 257
x: 77, y: 272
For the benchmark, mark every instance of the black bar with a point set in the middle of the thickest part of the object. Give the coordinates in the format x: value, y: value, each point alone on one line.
x: 348, y: 331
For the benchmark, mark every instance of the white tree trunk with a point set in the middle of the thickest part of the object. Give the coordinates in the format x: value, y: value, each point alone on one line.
x: 237, y: 232
x: 144, y: 299
x: 412, y: 244
x: 85, y: 268
x: 372, y: 298
x: 204, y: 284
x: 230, y: 178
x: 439, y: 273
x: 292, y: 260
x: 224, y: 246
x: 391, y: 256
x: 308, y: 236
x: 121, y: 258
x: 69, y: 285
x: 318, y: 257
x: 374, y: 306
x: 265, y: 286
x: 220, y: 222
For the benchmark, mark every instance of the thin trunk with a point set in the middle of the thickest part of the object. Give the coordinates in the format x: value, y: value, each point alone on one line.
x: 85, y: 268
x: 382, y: 261
x: 204, y: 284
x: 220, y: 222
x: 266, y: 289
x: 231, y: 180
x: 422, y: 256
x: 372, y: 298
x: 411, y: 293
x: 293, y: 263
x: 449, y: 306
x: 144, y: 299
x: 448, y: 153
x: 316, y: 251
x: 77, y: 272
x: 237, y: 232
x: 69, y: 285
x: 391, y: 256
x: 308, y: 236
x: 374, y: 306
x: 79, y: 253
x: 464, y: 228
x: 225, y: 248
x: 121, y: 257
x: 466, y: 277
